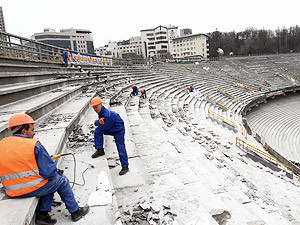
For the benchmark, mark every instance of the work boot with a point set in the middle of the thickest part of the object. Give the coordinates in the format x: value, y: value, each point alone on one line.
x: 99, y: 152
x: 123, y: 171
x: 43, y: 218
x: 81, y: 212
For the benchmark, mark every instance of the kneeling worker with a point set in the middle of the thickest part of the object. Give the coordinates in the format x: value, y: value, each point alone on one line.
x: 109, y: 123
x: 143, y: 91
x: 27, y: 170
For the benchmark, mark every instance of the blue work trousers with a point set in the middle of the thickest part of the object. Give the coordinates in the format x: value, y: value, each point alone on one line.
x: 46, y: 193
x: 135, y: 91
x: 66, y: 62
x: 120, y: 142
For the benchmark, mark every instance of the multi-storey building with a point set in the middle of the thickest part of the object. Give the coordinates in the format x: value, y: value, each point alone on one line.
x: 156, y: 41
x: 185, y: 31
x: 194, y: 45
x: 78, y: 40
x: 122, y: 49
x: 2, y: 24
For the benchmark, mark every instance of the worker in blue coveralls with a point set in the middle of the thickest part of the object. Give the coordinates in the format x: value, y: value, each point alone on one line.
x: 109, y: 123
x: 27, y: 170
x: 191, y: 89
x: 134, y: 90
x: 65, y: 56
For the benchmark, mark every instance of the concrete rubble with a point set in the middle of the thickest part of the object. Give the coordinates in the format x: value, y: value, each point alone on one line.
x: 148, y: 212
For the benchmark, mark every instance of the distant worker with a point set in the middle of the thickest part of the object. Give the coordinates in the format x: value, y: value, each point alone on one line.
x: 109, y: 123
x: 65, y: 56
x: 134, y: 90
x: 143, y: 92
x: 27, y: 170
x: 191, y: 89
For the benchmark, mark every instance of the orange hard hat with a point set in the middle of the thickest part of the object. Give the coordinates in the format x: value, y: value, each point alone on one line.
x: 20, y: 119
x: 133, y: 85
x: 96, y: 101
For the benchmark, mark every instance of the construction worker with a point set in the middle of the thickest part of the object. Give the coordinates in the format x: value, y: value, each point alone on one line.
x: 192, y: 88
x: 143, y: 91
x: 109, y: 123
x: 134, y: 90
x: 27, y: 170
x: 65, y: 56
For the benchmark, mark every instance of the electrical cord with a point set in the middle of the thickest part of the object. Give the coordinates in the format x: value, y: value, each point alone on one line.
x: 74, y: 176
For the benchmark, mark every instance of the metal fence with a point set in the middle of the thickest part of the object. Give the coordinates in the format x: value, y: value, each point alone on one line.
x: 18, y: 47
x: 14, y: 46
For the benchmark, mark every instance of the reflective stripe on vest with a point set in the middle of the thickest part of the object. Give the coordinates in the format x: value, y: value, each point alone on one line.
x: 24, y: 185
x: 19, y: 175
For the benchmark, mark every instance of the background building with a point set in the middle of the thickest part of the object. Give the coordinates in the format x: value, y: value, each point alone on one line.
x: 130, y: 48
x: 2, y: 24
x: 185, y: 31
x: 194, y: 45
x: 78, y: 40
x: 156, y: 41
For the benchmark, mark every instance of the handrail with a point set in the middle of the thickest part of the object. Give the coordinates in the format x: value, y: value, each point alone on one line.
x: 222, y: 118
x: 215, y: 101
x: 290, y: 77
x: 226, y: 92
x: 19, y: 47
x: 248, y: 147
x: 245, y: 86
x: 263, y: 79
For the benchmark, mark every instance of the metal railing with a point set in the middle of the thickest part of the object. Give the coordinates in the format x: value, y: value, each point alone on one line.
x: 214, y: 101
x: 18, y: 47
x: 244, y: 86
x: 13, y: 46
x: 245, y: 146
x: 226, y: 92
x: 222, y: 118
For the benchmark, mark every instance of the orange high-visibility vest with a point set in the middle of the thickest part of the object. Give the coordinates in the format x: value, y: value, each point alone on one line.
x: 143, y: 90
x: 19, y: 172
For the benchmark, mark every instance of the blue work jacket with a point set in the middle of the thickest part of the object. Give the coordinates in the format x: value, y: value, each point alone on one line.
x: 112, y: 122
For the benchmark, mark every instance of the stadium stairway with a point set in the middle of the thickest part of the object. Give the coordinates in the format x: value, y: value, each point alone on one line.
x: 57, y: 110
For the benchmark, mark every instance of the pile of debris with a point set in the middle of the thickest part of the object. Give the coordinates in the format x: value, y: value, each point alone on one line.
x: 78, y: 138
x: 56, y: 119
x: 147, y: 212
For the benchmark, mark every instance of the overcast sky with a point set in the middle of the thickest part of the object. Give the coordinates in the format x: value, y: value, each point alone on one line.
x: 121, y: 19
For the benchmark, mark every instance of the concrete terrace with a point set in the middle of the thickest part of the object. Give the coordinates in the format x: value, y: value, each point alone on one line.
x: 185, y: 166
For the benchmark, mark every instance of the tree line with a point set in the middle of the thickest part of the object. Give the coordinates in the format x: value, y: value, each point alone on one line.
x: 254, y: 41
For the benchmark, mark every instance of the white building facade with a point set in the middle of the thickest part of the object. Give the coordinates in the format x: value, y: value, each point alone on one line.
x: 190, y: 46
x: 121, y: 49
x: 156, y: 41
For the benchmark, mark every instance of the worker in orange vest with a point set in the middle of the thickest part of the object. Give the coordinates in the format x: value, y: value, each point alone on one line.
x: 143, y: 91
x: 27, y: 170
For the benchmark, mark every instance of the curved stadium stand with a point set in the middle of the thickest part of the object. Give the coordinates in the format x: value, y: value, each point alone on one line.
x: 180, y: 155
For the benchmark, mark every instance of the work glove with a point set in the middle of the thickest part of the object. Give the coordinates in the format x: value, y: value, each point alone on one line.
x: 101, y: 120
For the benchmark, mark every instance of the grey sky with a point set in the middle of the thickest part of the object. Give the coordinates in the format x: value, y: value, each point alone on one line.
x: 119, y: 19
